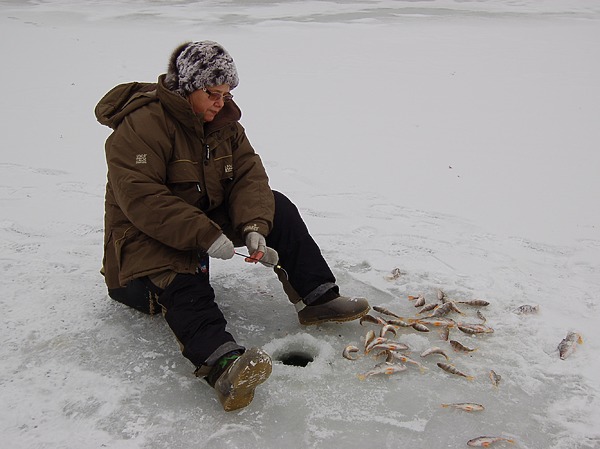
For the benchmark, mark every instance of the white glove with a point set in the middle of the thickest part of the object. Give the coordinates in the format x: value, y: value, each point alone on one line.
x: 222, y: 248
x: 255, y: 242
x: 259, y: 251
x: 270, y: 259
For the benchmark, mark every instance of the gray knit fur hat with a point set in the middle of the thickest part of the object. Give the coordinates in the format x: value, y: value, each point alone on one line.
x: 195, y: 65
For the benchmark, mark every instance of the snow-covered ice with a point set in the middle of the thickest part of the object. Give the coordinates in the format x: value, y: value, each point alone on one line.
x: 456, y: 141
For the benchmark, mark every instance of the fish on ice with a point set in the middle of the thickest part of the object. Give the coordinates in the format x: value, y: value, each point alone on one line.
x: 434, y: 350
x: 452, y: 370
x: 475, y: 303
x: 568, y: 344
x: 495, y: 378
x: 526, y: 309
x: 459, y: 347
x: 383, y: 368
x: 487, y: 441
x: 350, y: 352
x: 466, y: 406
x: 474, y: 328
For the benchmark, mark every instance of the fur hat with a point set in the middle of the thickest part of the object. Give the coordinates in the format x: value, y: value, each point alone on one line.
x: 195, y: 65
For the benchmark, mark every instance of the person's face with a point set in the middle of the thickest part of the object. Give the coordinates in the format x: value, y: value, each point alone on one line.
x: 210, y: 100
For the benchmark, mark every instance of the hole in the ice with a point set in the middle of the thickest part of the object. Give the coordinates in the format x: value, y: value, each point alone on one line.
x: 296, y: 358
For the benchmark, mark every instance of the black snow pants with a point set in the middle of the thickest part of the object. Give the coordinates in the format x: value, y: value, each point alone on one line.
x: 188, y: 302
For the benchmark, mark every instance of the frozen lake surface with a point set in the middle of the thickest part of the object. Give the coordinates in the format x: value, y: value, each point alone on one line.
x: 455, y: 142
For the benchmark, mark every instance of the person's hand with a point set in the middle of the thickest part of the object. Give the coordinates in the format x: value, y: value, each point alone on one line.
x: 259, y: 251
x: 269, y: 258
x: 222, y: 248
x: 255, y: 242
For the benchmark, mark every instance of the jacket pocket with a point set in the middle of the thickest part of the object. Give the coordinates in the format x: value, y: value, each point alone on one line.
x: 223, y: 161
x: 224, y: 167
x: 184, y: 181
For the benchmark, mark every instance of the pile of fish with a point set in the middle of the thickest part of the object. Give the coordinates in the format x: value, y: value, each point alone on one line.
x: 446, y: 316
x: 434, y: 315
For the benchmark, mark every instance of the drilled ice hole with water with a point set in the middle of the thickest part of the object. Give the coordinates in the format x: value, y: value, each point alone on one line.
x: 300, y: 352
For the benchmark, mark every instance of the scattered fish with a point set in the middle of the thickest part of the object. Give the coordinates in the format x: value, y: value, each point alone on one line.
x: 474, y: 328
x: 442, y: 310
x: 459, y: 347
x: 391, y: 356
x: 385, y: 311
x: 487, y: 441
x: 400, y: 323
x: 481, y: 317
x: 387, y: 328
x: 452, y: 370
x: 437, y: 321
x: 568, y: 344
x: 369, y: 338
x: 372, y: 319
x: 383, y: 368
x: 395, y: 274
x: 495, y: 378
x: 428, y: 308
x: 374, y: 342
x: 445, y: 333
x: 475, y: 302
x: 420, y: 327
x: 454, y: 308
x: 434, y: 350
x: 391, y: 346
x: 441, y: 296
x: 419, y: 300
x: 466, y: 406
x: 526, y: 309
x: 350, y: 352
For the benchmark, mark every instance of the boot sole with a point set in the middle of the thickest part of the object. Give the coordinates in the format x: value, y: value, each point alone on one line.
x: 236, y: 388
x: 335, y: 320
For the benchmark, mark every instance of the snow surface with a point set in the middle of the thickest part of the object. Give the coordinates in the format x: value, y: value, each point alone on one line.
x: 454, y: 140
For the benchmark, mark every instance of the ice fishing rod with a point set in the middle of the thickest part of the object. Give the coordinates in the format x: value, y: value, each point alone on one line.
x: 277, y: 266
x: 258, y: 260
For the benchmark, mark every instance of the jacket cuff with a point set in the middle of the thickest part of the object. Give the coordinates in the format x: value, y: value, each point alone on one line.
x: 208, y: 238
x: 256, y: 226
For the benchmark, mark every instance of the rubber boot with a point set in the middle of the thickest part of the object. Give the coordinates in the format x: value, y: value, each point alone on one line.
x: 337, y: 308
x: 242, y: 374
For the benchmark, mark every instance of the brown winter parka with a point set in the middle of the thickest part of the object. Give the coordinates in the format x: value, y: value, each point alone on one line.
x: 175, y: 183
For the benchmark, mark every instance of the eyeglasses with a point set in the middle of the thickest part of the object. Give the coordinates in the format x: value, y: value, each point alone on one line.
x: 216, y: 96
